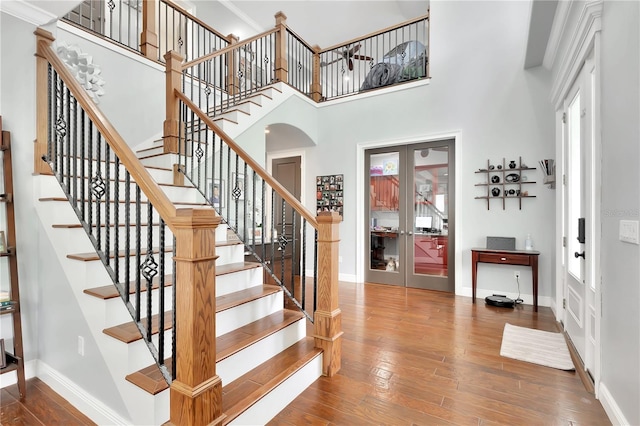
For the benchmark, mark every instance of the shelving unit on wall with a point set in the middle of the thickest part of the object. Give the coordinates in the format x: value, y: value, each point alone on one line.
x: 505, y: 180
x: 14, y: 360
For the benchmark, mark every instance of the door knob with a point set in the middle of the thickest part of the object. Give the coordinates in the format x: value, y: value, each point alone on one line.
x: 410, y: 233
x: 401, y: 232
x: 577, y: 255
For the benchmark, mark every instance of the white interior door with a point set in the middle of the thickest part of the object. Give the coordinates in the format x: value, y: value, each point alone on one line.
x: 579, y: 199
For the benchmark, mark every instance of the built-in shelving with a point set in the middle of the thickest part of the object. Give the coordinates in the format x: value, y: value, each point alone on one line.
x: 14, y: 360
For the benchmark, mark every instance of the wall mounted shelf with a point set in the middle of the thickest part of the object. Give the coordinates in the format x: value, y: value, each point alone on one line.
x: 505, y: 180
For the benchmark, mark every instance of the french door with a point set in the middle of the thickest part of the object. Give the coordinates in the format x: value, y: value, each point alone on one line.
x: 410, y: 204
x: 579, y: 211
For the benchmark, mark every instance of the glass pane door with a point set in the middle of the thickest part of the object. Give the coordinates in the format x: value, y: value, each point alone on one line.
x: 385, y: 227
x: 429, y: 221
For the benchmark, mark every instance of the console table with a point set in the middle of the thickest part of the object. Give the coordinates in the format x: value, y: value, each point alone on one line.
x: 506, y: 257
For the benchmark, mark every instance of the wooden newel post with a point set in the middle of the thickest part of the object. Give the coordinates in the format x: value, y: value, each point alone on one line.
x: 233, y: 82
x: 42, y: 109
x: 196, y: 392
x: 328, y: 317
x: 174, y: 82
x: 281, y: 65
x: 149, y: 36
x: 316, y: 87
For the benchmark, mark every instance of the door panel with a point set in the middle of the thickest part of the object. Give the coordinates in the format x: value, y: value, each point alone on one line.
x: 576, y: 140
x: 410, y: 215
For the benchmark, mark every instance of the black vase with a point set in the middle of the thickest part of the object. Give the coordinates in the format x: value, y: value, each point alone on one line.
x: 512, y: 165
x: 495, y: 192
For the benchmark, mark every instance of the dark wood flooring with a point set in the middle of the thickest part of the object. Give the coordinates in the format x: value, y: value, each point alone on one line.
x: 409, y: 357
x: 417, y: 357
x: 41, y: 406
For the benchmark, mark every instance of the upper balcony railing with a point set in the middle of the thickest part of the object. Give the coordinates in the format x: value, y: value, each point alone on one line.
x: 153, y: 27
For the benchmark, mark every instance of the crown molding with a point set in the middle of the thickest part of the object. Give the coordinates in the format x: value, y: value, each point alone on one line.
x: 557, y: 31
x: 27, y: 12
x: 582, y: 40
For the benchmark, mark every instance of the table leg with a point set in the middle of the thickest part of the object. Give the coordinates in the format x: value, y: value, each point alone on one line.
x: 474, y: 274
x: 534, y: 274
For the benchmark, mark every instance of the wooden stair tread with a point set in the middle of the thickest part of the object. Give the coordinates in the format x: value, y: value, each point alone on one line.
x: 248, y: 389
x: 179, y: 203
x: 240, y: 297
x: 110, y: 291
x: 128, y: 332
x: 230, y: 268
x: 150, y: 379
x: 91, y: 256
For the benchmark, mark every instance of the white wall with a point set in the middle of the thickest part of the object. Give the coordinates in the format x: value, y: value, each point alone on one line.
x: 134, y: 99
x: 51, y: 317
x: 481, y: 91
x: 620, y: 327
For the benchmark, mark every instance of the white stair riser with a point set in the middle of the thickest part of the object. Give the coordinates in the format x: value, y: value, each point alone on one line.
x: 230, y: 254
x: 117, y: 313
x: 161, y: 175
x: 229, y: 283
x: 230, y: 319
x: 275, y: 401
x: 247, y: 359
x: 144, y: 408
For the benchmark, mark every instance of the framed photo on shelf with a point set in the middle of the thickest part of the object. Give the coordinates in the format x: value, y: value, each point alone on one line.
x: 215, y: 192
x: 329, y: 193
x: 3, y: 242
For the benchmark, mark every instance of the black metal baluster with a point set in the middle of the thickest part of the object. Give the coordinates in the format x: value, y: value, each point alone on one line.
x: 303, y: 266
x: 83, y: 159
x: 116, y: 219
x: 107, y: 203
x: 175, y: 313
x: 315, y: 270
x: 161, y: 307
x: 149, y: 270
x: 73, y: 177
x: 137, y: 251
x: 282, y: 239
x: 294, y: 240
x: 127, y: 239
x: 89, y: 198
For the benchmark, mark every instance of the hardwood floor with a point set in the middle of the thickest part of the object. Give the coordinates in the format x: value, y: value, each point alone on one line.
x: 417, y: 357
x: 41, y: 406
x: 410, y: 357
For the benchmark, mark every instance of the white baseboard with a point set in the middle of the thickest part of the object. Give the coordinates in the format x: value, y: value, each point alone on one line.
x: 78, y: 397
x: 610, y: 407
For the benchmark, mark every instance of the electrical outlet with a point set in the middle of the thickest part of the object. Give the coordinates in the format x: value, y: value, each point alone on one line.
x: 516, y: 274
x: 80, y: 345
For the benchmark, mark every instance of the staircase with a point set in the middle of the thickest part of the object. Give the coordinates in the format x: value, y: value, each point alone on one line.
x: 264, y: 355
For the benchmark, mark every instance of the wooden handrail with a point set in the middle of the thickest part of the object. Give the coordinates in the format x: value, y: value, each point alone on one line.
x: 228, y: 49
x: 286, y: 195
x: 373, y: 34
x: 127, y: 157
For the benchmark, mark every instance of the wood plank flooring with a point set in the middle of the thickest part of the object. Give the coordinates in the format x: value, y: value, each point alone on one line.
x: 41, y: 406
x: 417, y: 357
x: 410, y: 357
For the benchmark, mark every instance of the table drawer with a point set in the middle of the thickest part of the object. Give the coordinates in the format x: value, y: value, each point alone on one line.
x: 511, y: 259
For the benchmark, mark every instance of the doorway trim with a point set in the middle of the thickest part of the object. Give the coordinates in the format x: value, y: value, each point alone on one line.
x: 584, y: 39
x: 362, y: 189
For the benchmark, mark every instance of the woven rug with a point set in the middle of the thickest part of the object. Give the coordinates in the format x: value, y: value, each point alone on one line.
x: 536, y: 346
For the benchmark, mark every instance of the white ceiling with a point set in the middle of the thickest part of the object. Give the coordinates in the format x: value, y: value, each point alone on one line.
x: 325, y: 23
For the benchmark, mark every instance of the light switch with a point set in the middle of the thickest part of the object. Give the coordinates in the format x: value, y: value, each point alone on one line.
x: 629, y: 231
